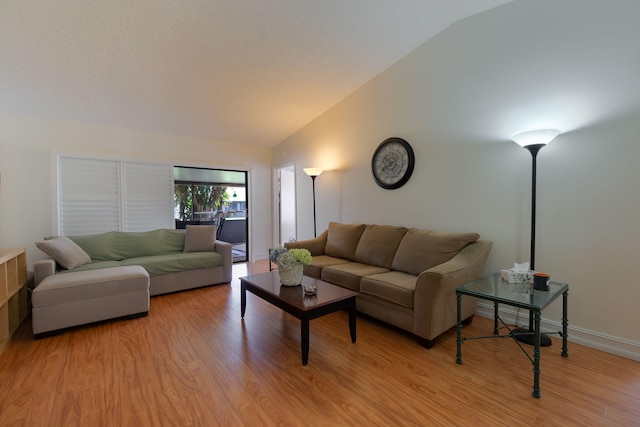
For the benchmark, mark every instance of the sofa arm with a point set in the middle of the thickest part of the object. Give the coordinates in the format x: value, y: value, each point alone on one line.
x: 315, y: 246
x: 435, y: 299
x: 224, y: 249
x: 42, y: 269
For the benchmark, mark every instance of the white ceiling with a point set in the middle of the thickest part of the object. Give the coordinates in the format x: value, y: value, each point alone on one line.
x: 245, y: 71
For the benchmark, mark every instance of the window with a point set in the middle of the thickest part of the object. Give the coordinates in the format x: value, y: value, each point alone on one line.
x: 147, y: 197
x: 98, y: 195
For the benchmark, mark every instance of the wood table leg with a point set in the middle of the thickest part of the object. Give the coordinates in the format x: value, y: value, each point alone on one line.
x: 352, y: 321
x: 565, y: 322
x: 243, y: 298
x: 304, y: 339
x: 459, y: 329
x: 536, y: 355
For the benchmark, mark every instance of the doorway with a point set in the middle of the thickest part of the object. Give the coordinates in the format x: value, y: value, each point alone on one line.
x: 214, y: 196
x: 286, y: 205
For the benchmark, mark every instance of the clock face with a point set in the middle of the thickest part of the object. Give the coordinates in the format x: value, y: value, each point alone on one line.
x: 392, y: 163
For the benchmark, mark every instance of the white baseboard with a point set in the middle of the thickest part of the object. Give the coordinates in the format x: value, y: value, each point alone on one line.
x: 597, y: 340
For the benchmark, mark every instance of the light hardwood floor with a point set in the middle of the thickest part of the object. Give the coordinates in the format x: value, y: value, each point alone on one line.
x: 194, y: 362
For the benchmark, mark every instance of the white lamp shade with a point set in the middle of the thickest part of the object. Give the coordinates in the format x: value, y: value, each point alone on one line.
x: 531, y: 137
x: 312, y: 171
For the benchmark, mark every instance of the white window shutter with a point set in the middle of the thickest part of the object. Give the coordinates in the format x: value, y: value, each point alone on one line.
x: 96, y: 196
x: 88, y: 196
x: 148, y: 196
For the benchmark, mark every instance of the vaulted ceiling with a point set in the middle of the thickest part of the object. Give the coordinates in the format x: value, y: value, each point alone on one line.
x: 245, y: 71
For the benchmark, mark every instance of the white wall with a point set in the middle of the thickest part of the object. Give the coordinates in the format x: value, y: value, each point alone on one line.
x: 27, y: 144
x: 566, y: 64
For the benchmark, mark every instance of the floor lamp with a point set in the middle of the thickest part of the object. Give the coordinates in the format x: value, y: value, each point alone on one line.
x: 313, y: 173
x: 533, y: 141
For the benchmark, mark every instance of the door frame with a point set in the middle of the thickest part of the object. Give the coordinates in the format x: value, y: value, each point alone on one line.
x: 285, y: 195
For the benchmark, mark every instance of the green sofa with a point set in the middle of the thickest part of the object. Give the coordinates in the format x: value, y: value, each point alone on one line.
x: 97, y: 277
x: 176, y: 260
x: 404, y: 276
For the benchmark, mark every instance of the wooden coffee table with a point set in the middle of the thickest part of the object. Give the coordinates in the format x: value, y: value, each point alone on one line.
x: 291, y: 299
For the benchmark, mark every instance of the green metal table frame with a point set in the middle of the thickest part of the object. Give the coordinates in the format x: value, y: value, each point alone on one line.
x: 493, y: 288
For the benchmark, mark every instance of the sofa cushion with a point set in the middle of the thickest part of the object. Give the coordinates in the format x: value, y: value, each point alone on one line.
x: 395, y: 286
x: 378, y: 244
x: 349, y: 275
x: 342, y: 240
x: 100, y: 247
x: 119, y: 245
x: 157, y: 265
x: 149, y: 243
x: 65, y: 300
x: 421, y: 250
x: 65, y: 252
x: 200, y: 238
x: 86, y: 285
x: 319, y: 262
x: 95, y: 265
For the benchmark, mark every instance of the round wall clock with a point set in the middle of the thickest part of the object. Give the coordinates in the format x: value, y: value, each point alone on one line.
x: 392, y: 163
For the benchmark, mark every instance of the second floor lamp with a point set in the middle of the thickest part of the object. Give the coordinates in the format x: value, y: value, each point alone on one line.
x: 313, y: 173
x: 534, y: 141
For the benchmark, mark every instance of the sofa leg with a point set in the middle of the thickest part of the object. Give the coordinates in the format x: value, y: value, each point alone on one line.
x: 426, y: 343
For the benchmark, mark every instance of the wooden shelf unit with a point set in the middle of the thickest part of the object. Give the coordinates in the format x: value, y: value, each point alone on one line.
x: 13, y: 292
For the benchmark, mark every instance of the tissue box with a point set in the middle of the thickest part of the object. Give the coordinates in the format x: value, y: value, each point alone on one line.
x: 513, y: 276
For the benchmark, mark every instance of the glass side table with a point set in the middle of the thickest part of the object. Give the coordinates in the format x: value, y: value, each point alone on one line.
x: 493, y: 288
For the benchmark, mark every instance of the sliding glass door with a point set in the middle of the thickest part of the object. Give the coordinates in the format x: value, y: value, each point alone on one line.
x: 214, y: 196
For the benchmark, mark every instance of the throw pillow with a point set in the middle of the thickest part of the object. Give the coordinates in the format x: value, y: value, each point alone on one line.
x: 65, y: 252
x: 200, y: 238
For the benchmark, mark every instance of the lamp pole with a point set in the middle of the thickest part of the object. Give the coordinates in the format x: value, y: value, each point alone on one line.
x: 533, y: 148
x: 313, y: 185
x: 313, y: 173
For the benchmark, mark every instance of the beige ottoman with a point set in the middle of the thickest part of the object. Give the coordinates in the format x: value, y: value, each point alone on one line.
x: 77, y: 298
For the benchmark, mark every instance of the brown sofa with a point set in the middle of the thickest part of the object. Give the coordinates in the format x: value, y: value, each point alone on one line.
x: 404, y: 276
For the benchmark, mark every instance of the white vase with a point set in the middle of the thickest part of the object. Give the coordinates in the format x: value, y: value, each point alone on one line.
x: 291, y: 276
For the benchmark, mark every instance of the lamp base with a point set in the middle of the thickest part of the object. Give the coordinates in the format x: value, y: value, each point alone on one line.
x: 526, y: 336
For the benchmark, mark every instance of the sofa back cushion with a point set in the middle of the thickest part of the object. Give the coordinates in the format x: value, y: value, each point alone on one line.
x: 100, y: 247
x: 119, y: 245
x: 378, y: 244
x: 342, y: 240
x: 421, y: 250
x: 150, y: 243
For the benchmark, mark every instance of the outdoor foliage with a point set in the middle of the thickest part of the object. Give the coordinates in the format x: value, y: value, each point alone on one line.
x: 191, y: 199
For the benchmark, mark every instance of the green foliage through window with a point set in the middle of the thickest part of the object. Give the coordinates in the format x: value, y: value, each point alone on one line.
x: 199, y: 201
